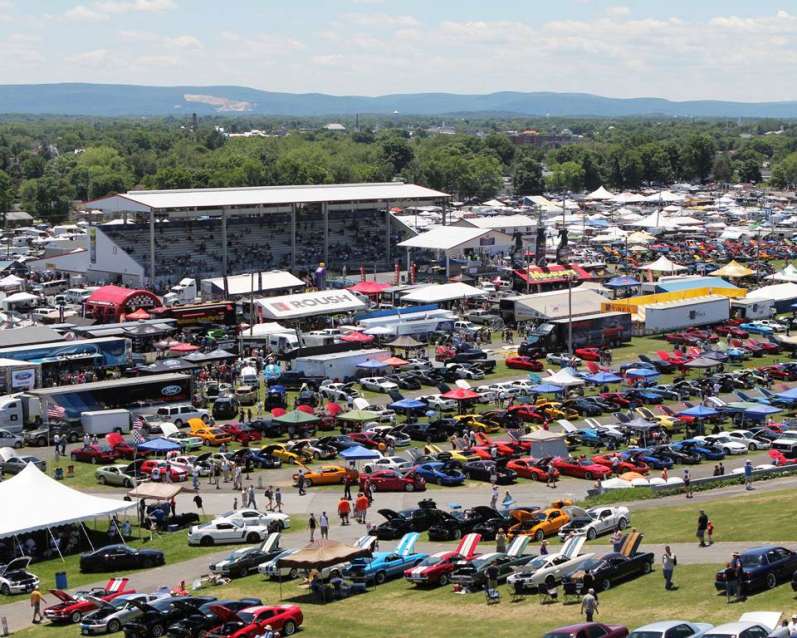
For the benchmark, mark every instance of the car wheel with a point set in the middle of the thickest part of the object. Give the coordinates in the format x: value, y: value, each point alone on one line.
x: 591, y: 534
x: 752, y: 447
x: 622, y: 524
x: 308, y: 482
x: 114, y: 626
x: 41, y: 442
x: 206, y: 541
x: 550, y: 582
x: 772, y: 581
x: 456, y: 534
x: 5, y: 590
x: 289, y: 628
x: 409, y: 487
x: 293, y: 573
x: 252, y: 537
x: 588, y: 476
x: 606, y: 584
x: 156, y: 631
x: 727, y: 451
x: 443, y: 580
x: 17, y: 445
x: 76, y: 617
x: 539, y: 535
x: 127, y: 483
x: 102, y: 480
x: 178, y: 423
x: 647, y: 568
x: 317, y: 456
x: 380, y: 578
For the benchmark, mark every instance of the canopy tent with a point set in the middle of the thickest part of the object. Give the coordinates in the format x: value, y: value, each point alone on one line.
x: 156, y: 491
x: 734, y: 270
x: 602, y: 377
x: 395, y: 362
x: 160, y: 445
x: 599, y: 194
x: 699, y: 412
x: 167, y: 365
x: 789, y: 273
x: 183, y: 348
x: 21, y: 297
x: 323, y: 553
x: 546, y: 388
x: 207, y: 357
x: 11, y: 281
x: 662, y: 264
x: 357, y: 337
x: 33, y: 501
x: 437, y: 293
x: 640, y: 237
x: 369, y: 287
x: 371, y: 364
x: 358, y: 416
x: 405, y: 341
x: 623, y: 281
x: 702, y: 362
x: 460, y: 394
x: 645, y: 373
x: 407, y: 404
x: 359, y: 453
x: 296, y: 417
x: 565, y: 377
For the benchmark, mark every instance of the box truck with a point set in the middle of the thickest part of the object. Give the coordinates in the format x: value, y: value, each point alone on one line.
x: 18, y: 410
x: 102, y: 422
x: 685, y: 313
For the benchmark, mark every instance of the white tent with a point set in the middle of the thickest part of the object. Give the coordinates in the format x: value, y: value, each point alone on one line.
x: 600, y: 194
x: 664, y: 196
x: 628, y: 198
x: 565, y: 378
x: 437, y: 293
x: 662, y: 264
x: 20, y: 297
x: 11, y: 281
x: 789, y: 273
x: 33, y: 501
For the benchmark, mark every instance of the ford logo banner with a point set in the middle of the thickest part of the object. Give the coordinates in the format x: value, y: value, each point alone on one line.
x: 171, y: 390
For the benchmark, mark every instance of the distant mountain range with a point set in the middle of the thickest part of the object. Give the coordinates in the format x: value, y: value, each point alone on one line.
x: 125, y: 99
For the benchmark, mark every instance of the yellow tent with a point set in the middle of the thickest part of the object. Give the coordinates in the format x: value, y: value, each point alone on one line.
x: 734, y: 270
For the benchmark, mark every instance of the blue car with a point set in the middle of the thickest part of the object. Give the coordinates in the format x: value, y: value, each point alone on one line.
x: 757, y: 328
x: 384, y: 565
x: 437, y: 472
x: 708, y: 452
x: 644, y: 455
x: 762, y: 568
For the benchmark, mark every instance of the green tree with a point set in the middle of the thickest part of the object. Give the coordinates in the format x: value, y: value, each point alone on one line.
x: 698, y: 155
x: 527, y: 176
x: 397, y: 152
x: 502, y: 146
x: 567, y: 176
x: 6, y: 195
x: 784, y: 173
x: 722, y: 170
x: 49, y: 197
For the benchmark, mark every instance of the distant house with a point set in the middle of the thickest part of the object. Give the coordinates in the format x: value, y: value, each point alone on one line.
x: 335, y: 126
x: 16, y: 218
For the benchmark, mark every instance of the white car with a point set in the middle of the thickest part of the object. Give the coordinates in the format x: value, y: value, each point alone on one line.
x: 753, y: 624
x: 563, y: 359
x: 270, y: 570
x: 418, y: 364
x: 466, y: 326
x: 391, y: 433
x: 746, y: 437
x: 728, y: 445
x: 524, y: 385
x: 9, y: 439
x: 189, y: 461
x: 398, y: 463
x: 224, y: 531
x: 338, y: 391
x: 775, y: 326
x: 15, y: 577
x: 383, y: 414
x: 186, y: 441
x: 596, y: 521
x: 181, y: 414
x: 377, y: 384
x: 253, y: 518
x: 671, y: 629
x: 114, y: 475
x: 550, y: 569
x: 437, y: 402
x: 463, y: 372
x: 507, y: 388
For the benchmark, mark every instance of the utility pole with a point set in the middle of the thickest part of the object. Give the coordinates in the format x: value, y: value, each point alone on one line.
x: 570, y: 315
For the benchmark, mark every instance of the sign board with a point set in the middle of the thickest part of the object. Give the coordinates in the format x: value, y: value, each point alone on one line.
x: 324, y: 302
x: 23, y: 379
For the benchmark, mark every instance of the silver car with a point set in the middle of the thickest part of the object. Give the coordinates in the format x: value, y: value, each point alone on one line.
x: 109, y: 616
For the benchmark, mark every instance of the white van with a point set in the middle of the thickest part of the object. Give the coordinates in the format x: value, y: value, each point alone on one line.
x: 249, y: 377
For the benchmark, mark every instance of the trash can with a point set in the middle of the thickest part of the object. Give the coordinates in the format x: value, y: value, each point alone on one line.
x: 60, y: 580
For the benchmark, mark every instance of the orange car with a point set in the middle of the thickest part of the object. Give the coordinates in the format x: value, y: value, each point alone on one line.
x: 328, y: 475
x: 541, y: 523
x: 211, y: 436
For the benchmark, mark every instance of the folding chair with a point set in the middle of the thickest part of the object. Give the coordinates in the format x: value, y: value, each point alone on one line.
x: 571, y: 593
x: 548, y: 595
x: 518, y: 592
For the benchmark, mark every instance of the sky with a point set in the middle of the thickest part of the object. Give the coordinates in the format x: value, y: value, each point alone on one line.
x: 676, y: 49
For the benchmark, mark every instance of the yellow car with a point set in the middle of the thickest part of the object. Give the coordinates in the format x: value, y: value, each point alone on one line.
x: 328, y: 475
x: 281, y: 451
x: 211, y: 436
x: 454, y: 455
x: 664, y: 420
x: 478, y: 423
x: 539, y: 523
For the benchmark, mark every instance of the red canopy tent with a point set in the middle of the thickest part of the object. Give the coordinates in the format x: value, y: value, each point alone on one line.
x: 357, y: 337
x: 333, y: 409
x: 368, y: 287
x: 306, y: 408
x: 183, y: 348
x: 460, y: 394
x: 138, y: 314
x: 395, y: 362
x: 278, y: 411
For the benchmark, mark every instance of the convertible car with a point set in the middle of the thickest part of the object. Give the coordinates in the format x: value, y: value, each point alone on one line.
x: 381, y: 566
x: 620, y: 464
x: 436, y: 569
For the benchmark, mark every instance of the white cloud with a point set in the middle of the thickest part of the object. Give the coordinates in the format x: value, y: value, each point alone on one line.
x: 380, y: 20
x: 131, y: 6
x: 259, y: 48
x: 93, y: 58
x: 82, y: 13
x: 618, y: 11
x: 368, y: 1
x: 184, y: 42
x: 156, y: 60
x: 155, y: 39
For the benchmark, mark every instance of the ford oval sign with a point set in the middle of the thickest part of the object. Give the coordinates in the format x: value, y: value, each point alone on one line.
x: 171, y: 390
x: 25, y: 375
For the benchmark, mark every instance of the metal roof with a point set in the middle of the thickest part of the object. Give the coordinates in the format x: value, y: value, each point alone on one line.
x: 247, y: 283
x: 18, y: 337
x: 273, y: 195
x: 445, y: 237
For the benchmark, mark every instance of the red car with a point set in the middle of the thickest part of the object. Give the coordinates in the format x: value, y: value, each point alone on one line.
x: 532, y: 468
x: 581, y: 468
x: 779, y: 372
x: 94, y: 454
x: 619, y: 465
x: 588, y: 354
x: 242, y: 433
x: 176, y: 473
x: 365, y: 439
x: 526, y: 412
x: 393, y: 481
x: 683, y: 338
x: 767, y: 346
x: 589, y: 630
x: 732, y: 331
x: 524, y: 363
x: 124, y: 450
x: 252, y: 621
x: 703, y: 335
x: 436, y: 569
x: 616, y: 398
x: 71, y: 609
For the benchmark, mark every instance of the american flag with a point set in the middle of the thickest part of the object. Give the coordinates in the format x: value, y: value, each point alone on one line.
x: 56, y: 412
x: 138, y: 422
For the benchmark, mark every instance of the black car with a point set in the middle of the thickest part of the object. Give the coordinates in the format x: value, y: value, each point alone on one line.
x: 433, y: 432
x: 683, y: 457
x: 339, y: 442
x: 454, y: 525
x: 472, y: 574
x: 158, y: 615
x: 584, y: 407
x: 197, y: 624
x: 405, y: 381
x: 257, y: 458
x: 397, y: 524
x: 118, y: 557
x: 612, y: 568
x: 533, y: 350
x: 225, y: 408
x: 244, y: 561
x: 762, y: 568
x: 481, y: 470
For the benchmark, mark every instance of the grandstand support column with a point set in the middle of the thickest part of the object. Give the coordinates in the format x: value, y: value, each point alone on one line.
x: 152, y: 247
x: 224, y: 271
x: 325, y: 214
x: 293, y: 236
x: 387, y: 233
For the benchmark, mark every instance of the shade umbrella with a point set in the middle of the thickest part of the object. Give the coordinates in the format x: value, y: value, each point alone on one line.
x: 358, y: 416
x: 323, y: 553
x: 139, y: 314
x: 395, y: 362
x: 702, y: 362
x: 357, y: 337
x: 460, y: 394
x: 183, y: 348
x: 296, y: 417
x: 733, y: 270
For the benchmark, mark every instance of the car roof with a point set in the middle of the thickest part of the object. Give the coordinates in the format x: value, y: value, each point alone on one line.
x: 733, y: 628
x: 662, y: 625
x: 763, y: 549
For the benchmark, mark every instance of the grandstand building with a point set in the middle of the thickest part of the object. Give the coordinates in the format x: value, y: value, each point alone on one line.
x: 156, y: 238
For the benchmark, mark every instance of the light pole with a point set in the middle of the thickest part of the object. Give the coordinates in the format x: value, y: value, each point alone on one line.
x: 570, y: 315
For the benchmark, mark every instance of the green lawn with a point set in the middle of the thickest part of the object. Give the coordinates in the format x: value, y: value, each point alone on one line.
x: 397, y: 609
x: 768, y: 516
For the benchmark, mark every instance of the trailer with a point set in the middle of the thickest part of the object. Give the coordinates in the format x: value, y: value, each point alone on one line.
x: 336, y: 365
x: 667, y: 316
x: 601, y: 330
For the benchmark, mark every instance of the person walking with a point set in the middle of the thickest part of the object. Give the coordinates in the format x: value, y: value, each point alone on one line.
x: 36, y: 600
x: 347, y: 487
x: 269, y: 496
x: 550, y: 471
x: 250, y: 497
x: 344, y: 509
x: 617, y: 540
x: 702, y: 526
x: 748, y: 475
x: 589, y: 605
x: 710, y: 532
x: 312, y: 523
x: 278, y: 499
x: 500, y: 541
x: 323, y: 525
x: 543, y: 547
x: 361, y: 508
x: 668, y: 563
x: 195, y: 478
x: 494, y: 497
x: 300, y: 483
x: 687, y: 484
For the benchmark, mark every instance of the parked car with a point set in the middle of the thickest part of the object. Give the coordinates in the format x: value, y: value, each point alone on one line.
x: 244, y: 561
x: 157, y: 616
x: 598, y: 520
x: 110, y: 615
x: 763, y: 567
x: 120, y: 557
x: 71, y: 609
x: 589, y: 630
x: 252, y: 621
x: 671, y: 629
x: 381, y: 566
x: 15, y: 577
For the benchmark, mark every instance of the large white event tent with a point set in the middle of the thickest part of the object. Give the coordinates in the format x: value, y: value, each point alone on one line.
x: 598, y: 195
x: 789, y: 273
x: 438, y: 293
x: 33, y: 501
x: 662, y: 264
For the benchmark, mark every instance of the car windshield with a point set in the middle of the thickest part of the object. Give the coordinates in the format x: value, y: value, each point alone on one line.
x: 645, y: 634
x: 481, y: 562
x: 431, y: 560
x: 246, y: 616
x: 752, y: 560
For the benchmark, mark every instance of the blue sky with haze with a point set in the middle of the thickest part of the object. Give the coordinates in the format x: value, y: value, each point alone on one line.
x: 677, y: 49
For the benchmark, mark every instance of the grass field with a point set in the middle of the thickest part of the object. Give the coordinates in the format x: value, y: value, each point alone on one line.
x: 396, y: 609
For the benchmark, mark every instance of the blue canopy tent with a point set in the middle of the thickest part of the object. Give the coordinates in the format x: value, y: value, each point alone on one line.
x: 546, y: 388
x: 599, y: 378
x: 761, y: 412
x: 408, y: 404
x: 699, y: 412
x: 370, y: 364
x: 359, y: 453
x: 623, y: 281
x: 642, y: 373
x: 159, y: 445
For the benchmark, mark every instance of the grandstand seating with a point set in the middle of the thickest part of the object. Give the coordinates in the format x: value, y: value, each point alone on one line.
x: 192, y: 248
